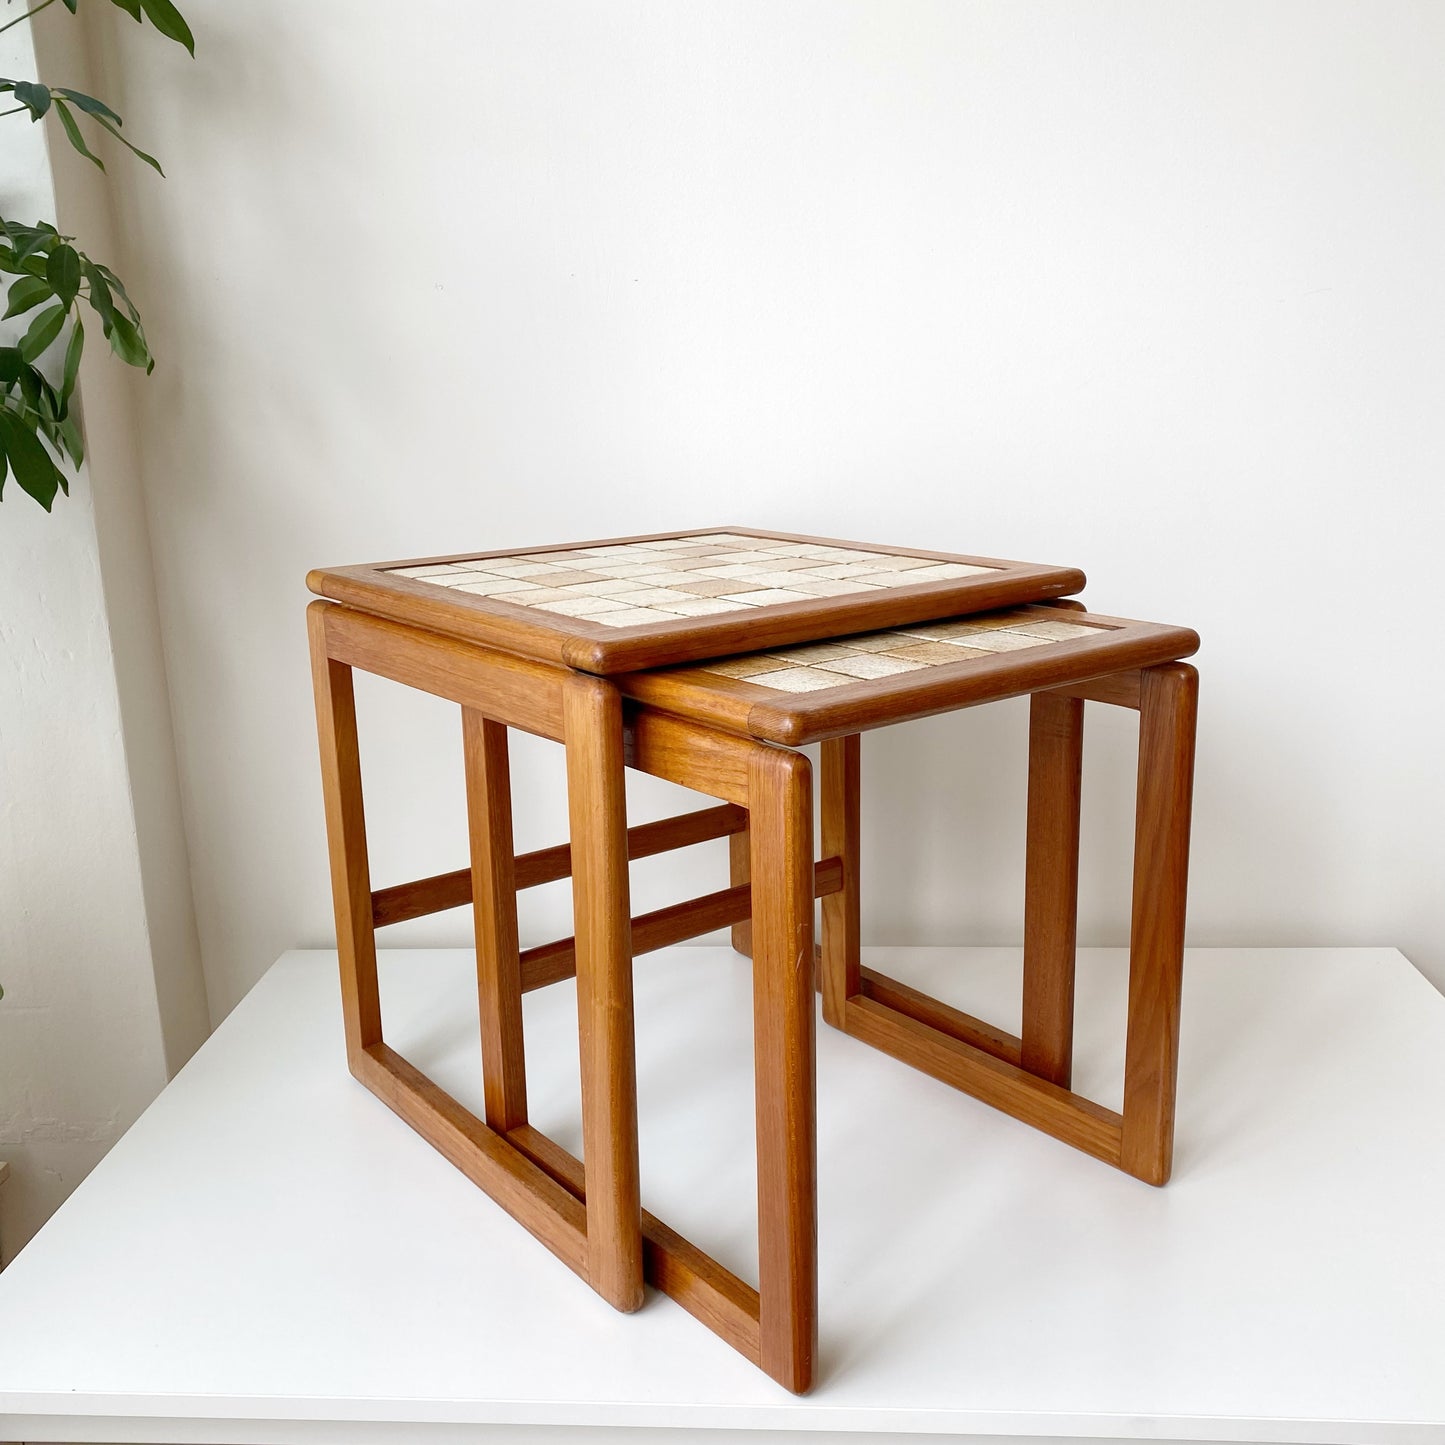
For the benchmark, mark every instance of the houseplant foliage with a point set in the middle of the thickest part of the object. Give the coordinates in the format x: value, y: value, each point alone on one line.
x: 55, y: 281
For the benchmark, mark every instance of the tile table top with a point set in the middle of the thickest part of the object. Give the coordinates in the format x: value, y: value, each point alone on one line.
x: 799, y: 694
x: 623, y: 604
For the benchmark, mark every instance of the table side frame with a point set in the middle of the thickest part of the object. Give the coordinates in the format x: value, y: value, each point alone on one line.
x: 591, y: 1218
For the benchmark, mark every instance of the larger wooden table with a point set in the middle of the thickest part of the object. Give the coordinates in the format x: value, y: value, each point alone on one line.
x: 517, y: 638
x: 441, y: 625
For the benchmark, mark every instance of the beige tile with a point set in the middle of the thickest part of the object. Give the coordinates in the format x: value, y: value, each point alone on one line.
x: 1001, y: 641
x: 811, y: 653
x: 507, y: 567
x: 658, y: 597
x: 871, y: 665
x: 946, y: 572
x: 435, y: 569
x: 635, y: 617
x: 749, y: 666
x: 1058, y: 631
x: 704, y: 607
x: 964, y: 626
x: 838, y: 571
x: 876, y: 641
x: 885, y: 562
x: 830, y: 586
x: 770, y: 597
x: 667, y: 579
x: 933, y: 652
x: 497, y: 586
x: 546, y: 594
x: 798, y: 679
x: 782, y: 579
x: 708, y: 587
x: 601, y: 589
x: 564, y: 576
x: 583, y: 606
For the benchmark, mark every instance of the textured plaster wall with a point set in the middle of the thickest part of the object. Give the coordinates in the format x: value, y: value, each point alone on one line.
x: 1155, y: 290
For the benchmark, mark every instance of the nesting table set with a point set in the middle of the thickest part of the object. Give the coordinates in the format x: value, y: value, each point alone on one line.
x: 708, y: 658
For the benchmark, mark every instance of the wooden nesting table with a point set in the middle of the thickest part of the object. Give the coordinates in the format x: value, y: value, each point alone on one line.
x: 818, y: 640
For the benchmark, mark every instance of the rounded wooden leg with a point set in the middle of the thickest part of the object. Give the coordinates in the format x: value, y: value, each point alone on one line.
x: 780, y: 790
x: 1168, y: 705
x: 601, y: 904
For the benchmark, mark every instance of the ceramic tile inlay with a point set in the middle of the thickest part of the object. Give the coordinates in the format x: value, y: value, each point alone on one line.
x: 818, y: 665
x: 642, y: 582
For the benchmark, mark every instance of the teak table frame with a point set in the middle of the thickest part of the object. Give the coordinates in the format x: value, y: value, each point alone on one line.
x: 695, y: 732
x: 592, y: 1221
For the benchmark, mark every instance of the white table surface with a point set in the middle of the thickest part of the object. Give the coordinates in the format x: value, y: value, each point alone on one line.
x: 270, y: 1255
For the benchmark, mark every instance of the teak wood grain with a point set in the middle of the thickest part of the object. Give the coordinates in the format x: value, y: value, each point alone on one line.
x: 1169, y: 700
x: 708, y: 1291
x: 783, y: 1045
x: 796, y: 719
x: 719, y: 739
x: 591, y: 647
x: 549, y: 963
x: 597, y: 809
x: 494, y: 908
x: 404, y: 901
x: 840, y: 824
x: 1051, y: 884
x: 346, y: 840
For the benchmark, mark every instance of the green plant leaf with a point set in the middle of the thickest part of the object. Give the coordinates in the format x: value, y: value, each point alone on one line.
x: 128, y: 343
x: 62, y: 271
x: 88, y: 103
x: 167, y: 19
x: 29, y: 461
x: 67, y: 433
x: 33, y: 96
x: 11, y: 365
x: 43, y: 330
x: 72, y: 132
x: 150, y: 160
x: 71, y: 370
x: 131, y: 7
x: 118, y: 287
x: 69, y: 5
x: 100, y: 301
x: 28, y: 291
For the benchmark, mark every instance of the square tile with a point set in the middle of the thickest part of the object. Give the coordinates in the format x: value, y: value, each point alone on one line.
x: 872, y: 664
x: 799, y: 679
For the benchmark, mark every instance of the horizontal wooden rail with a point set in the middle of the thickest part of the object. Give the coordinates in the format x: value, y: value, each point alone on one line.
x: 1120, y: 689
x: 509, y: 1175
x: 707, y: 1290
x: 552, y: 962
x: 965, y: 1028
x: 404, y: 901
x: 1080, y: 1122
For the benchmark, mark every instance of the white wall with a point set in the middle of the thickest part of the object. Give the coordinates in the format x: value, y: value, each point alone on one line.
x: 1155, y: 290
x: 98, y: 957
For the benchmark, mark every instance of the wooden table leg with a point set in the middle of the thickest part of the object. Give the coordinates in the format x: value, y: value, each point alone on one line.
x: 601, y: 905
x: 346, y: 840
x: 494, y: 911
x: 739, y: 872
x: 1168, y: 706
x: 1051, y: 887
x: 842, y: 945
x: 780, y: 800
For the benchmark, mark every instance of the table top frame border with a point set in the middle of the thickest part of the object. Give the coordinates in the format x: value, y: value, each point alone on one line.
x: 796, y: 719
x: 585, y: 646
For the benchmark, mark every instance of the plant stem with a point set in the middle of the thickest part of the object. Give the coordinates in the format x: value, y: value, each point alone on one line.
x: 26, y: 16
x: 15, y: 110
